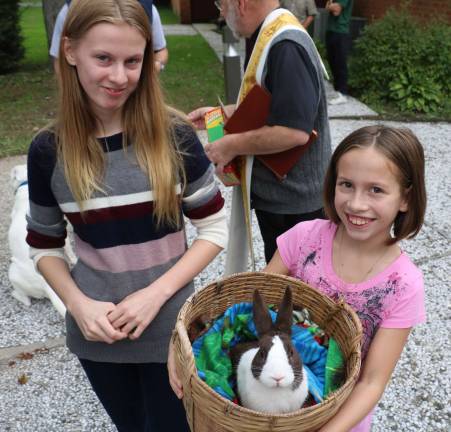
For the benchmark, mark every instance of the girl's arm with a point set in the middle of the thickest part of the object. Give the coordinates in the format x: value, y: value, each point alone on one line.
x: 384, y: 352
x: 133, y: 314
x: 276, y: 265
x: 90, y: 315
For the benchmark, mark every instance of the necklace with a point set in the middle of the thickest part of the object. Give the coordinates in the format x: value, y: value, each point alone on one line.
x: 340, y: 264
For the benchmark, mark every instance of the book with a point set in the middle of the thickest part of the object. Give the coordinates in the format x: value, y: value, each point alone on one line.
x: 252, y: 113
x: 214, y: 124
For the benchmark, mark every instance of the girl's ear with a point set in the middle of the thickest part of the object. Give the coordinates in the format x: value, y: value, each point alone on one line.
x: 262, y: 318
x: 404, y: 206
x: 69, y: 51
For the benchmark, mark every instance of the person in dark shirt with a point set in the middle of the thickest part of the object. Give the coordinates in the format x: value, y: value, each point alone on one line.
x: 288, y: 66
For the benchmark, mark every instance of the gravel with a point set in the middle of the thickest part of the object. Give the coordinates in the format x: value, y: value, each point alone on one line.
x: 46, y: 390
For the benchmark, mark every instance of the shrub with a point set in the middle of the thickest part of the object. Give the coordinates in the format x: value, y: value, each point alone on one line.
x: 11, y: 49
x: 399, y: 61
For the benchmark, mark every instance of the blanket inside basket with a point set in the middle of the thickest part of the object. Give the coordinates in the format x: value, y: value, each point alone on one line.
x: 322, y: 357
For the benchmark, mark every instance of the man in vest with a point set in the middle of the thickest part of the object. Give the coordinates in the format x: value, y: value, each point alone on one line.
x: 282, y: 58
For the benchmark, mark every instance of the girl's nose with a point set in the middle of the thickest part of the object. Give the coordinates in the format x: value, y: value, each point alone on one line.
x: 357, y: 202
x: 118, y: 75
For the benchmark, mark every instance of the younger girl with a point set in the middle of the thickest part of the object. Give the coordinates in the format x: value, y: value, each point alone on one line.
x: 374, y: 197
x: 122, y: 168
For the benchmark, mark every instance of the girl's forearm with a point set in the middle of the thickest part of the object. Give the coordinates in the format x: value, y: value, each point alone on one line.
x: 195, y: 259
x: 56, y: 272
x: 359, y: 404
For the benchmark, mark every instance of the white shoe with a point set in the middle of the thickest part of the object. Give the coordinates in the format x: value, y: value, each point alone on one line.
x: 339, y: 99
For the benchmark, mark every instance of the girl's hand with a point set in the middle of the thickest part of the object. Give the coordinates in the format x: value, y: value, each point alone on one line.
x: 92, y: 319
x: 136, y: 311
x: 174, y: 379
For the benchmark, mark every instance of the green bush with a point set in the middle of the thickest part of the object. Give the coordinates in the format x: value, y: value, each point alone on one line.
x: 401, y: 62
x: 11, y: 49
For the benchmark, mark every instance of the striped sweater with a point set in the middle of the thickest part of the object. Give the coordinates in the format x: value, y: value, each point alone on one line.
x: 119, y: 248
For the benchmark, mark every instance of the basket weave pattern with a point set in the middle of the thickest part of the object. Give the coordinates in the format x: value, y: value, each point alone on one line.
x: 206, y: 410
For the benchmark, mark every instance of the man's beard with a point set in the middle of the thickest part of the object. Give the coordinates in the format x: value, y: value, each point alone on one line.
x: 232, y: 21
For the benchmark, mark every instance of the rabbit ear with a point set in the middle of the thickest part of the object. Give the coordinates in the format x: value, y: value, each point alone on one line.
x: 284, y: 319
x: 262, y: 318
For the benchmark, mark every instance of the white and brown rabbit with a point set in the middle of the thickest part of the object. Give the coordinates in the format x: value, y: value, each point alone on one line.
x: 270, y: 374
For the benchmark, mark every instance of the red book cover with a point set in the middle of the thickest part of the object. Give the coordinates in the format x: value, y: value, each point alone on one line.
x: 252, y: 113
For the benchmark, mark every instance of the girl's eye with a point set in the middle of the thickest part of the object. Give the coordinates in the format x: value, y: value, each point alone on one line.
x: 133, y: 61
x: 376, y: 189
x: 102, y: 58
x: 345, y: 184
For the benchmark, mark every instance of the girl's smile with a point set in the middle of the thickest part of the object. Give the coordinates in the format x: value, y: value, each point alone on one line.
x: 368, y: 195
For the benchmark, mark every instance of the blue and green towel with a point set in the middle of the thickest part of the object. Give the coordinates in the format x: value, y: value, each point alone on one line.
x: 324, y: 366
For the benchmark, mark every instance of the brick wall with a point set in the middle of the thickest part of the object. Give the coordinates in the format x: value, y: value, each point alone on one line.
x: 423, y: 9
x: 182, y: 8
x: 370, y: 9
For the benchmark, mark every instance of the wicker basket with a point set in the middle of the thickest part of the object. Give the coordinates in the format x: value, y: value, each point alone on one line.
x: 206, y: 410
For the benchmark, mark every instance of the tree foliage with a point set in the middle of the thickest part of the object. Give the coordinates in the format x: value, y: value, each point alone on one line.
x: 11, y: 48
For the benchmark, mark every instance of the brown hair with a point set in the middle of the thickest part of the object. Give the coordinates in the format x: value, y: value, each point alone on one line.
x: 146, y: 120
x: 402, y: 148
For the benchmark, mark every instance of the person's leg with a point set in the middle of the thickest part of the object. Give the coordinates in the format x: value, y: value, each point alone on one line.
x: 341, y: 45
x: 332, y: 55
x: 118, y: 388
x: 165, y: 411
x: 273, y: 225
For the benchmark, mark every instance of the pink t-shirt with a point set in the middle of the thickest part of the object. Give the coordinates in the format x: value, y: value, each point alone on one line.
x: 394, y: 298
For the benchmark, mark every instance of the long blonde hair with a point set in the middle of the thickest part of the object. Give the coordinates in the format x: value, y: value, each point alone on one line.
x: 146, y: 120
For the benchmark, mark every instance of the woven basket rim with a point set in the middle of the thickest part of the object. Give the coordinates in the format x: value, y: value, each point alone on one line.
x: 229, y: 406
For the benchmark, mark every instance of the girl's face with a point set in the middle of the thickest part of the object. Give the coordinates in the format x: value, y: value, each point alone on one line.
x: 368, y: 195
x: 109, y: 60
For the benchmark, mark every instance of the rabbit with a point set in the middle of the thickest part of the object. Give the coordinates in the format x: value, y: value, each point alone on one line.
x: 26, y: 282
x: 270, y: 374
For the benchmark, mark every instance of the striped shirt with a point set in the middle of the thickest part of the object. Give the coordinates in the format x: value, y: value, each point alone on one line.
x: 119, y: 248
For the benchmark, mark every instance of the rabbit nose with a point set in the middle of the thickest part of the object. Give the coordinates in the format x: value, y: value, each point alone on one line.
x: 278, y: 378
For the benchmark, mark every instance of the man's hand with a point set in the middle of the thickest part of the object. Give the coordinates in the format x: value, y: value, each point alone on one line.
x: 334, y: 8
x: 174, y: 379
x: 222, y: 151
x: 197, y: 117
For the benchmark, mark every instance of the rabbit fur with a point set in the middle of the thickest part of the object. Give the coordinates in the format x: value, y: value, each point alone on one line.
x: 25, y: 280
x: 270, y: 374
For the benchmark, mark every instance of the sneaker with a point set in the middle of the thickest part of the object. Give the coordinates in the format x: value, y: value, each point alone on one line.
x: 338, y: 100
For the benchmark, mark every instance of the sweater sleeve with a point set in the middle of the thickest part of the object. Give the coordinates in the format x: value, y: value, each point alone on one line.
x: 202, y: 200
x: 46, y: 227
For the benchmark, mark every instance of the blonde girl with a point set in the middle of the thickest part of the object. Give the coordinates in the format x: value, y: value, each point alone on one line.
x: 124, y: 169
x: 374, y: 196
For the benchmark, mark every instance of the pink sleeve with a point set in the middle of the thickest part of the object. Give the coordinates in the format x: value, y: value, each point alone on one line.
x: 287, y: 244
x: 408, y: 309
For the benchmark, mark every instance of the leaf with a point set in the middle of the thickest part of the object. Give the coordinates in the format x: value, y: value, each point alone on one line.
x: 25, y: 356
x: 23, y: 379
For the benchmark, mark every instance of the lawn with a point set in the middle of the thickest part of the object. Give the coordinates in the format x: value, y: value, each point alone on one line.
x: 192, y: 78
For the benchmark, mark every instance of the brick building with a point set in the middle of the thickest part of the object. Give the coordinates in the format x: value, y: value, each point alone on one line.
x: 204, y: 10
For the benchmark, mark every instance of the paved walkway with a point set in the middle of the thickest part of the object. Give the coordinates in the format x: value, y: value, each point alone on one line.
x: 43, y: 387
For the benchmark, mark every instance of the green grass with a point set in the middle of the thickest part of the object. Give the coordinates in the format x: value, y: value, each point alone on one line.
x: 167, y: 15
x: 192, y: 78
x: 35, y: 39
x: 27, y: 97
